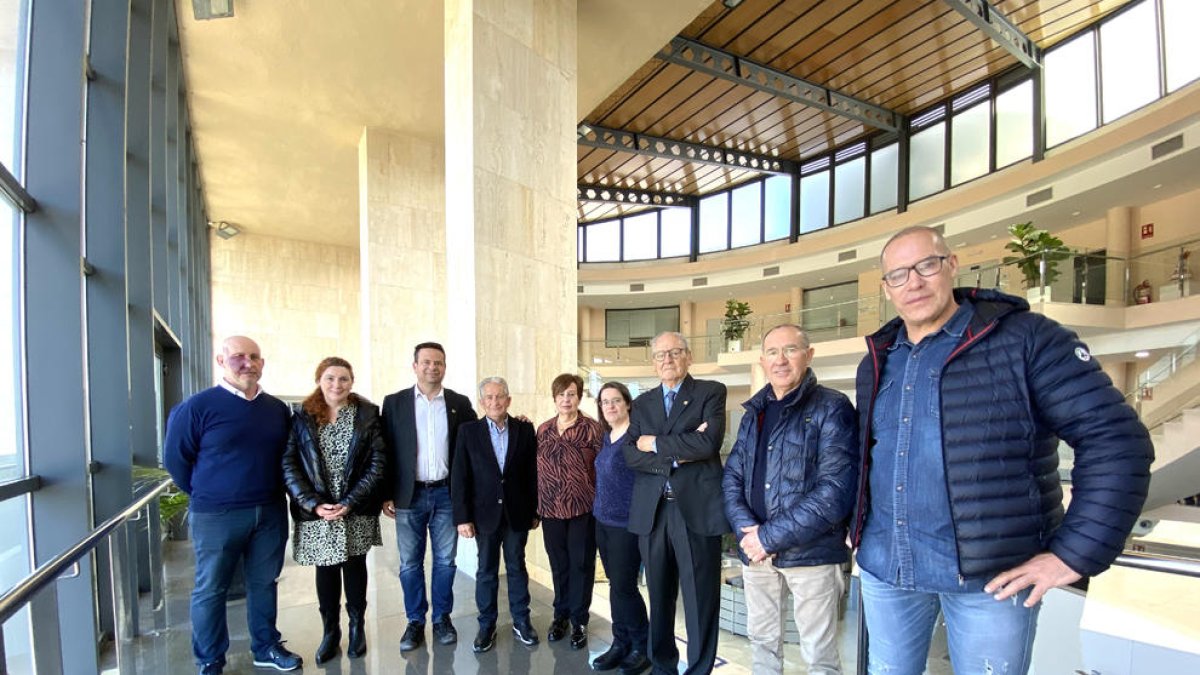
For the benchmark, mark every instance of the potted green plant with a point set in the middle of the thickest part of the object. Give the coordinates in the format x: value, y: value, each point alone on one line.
x: 734, y: 326
x: 172, y: 504
x: 1038, y: 254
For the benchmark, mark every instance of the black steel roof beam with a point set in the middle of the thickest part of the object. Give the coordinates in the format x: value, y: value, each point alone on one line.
x: 667, y: 148
x: 632, y: 196
x: 718, y: 63
x: 1004, y: 32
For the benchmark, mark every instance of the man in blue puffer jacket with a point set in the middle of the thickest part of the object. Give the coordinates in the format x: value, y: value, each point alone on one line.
x: 962, y: 401
x: 789, y: 488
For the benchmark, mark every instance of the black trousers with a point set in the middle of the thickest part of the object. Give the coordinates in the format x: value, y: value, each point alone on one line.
x: 571, y: 547
x: 680, y: 561
x: 487, y: 577
x: 329, y: 584
x: 622, y: 561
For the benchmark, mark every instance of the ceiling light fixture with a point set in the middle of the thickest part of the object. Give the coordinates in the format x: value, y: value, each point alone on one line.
x: 226, y: 230
x: 1156, y: 186
x: 1141, y: 354
x: 731, y: 4
x: 583, y: 130
x: 204, y: 10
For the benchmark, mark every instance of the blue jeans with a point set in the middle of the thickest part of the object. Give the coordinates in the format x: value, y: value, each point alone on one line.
x: 255, y: 535
x: 984, y: 635
x: 430, y: 510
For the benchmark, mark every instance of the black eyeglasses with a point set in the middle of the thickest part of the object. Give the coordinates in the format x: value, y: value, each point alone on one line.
x: 926, y: 267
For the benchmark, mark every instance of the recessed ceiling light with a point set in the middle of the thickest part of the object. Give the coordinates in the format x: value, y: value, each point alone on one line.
x: 993, y: 236
x: 1156, y: 186
x: 960, y: 244
x: 1141, y: 354
x: 1074, y: 213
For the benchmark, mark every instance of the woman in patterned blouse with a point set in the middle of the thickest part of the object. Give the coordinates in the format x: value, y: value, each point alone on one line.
x: 333, y: 461
x: 567, y: 447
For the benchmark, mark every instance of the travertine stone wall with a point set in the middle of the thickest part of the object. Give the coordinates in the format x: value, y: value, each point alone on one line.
x: 297, y: 299
x: 510, y: 144
x: 402, y: 215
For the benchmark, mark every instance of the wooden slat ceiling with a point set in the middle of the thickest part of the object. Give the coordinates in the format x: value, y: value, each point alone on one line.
x: 903, y: 55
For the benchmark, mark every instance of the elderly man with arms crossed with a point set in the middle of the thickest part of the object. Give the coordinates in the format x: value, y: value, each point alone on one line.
x: 224, y: 447
x: 962, y: 400
x: 789, y: 488
x: 674, y: 450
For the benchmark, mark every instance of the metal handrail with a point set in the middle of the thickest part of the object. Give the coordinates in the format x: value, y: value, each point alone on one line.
x: 21, y: 594
x: 1188, y: 567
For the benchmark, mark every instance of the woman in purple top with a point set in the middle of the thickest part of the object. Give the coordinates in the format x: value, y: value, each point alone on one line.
x: 618, y: 547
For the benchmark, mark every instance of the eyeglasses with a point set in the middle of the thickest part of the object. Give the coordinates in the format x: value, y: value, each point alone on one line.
x: 789, y: 352
x: 609, y: 402
x: 675, y: 354
x: 926, y: 267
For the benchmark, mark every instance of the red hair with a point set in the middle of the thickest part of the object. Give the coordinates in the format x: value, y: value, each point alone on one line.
x: 315, y: 404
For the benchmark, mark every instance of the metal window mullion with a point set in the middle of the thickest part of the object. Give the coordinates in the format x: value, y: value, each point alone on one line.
x: 694, y: 254
x: 794, y: 209
x: 658, y: 229
x: 762, y: 211
x: 729, y: 219
x: 902, y: 165
x: 1160, y: 37
x: 947, y: 148
x: 829, y: 199
x: 1099, y: 80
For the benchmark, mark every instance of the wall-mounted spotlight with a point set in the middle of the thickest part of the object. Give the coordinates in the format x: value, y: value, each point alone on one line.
x: 226, y: 230
x: 583, y: 130
x: 204, y: 10
x: 731, y: 4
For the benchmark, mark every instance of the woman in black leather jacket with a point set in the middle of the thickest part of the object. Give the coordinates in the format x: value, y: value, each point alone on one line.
x: 333, y: 462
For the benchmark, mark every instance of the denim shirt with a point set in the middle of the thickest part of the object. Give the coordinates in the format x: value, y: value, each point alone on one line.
x: 908, y: 539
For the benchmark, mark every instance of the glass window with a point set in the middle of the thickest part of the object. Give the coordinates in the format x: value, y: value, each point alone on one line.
x: 676, y: 232
x: 604, y: 241
x: 14, y: 539
x: 641, y: 236
x: 1128, y: 61
x: 1182, y: 48
x: 927, y: 161
x: 970, y: 136
x: 884, y: 171
x: 579, y: 244
x: 849, y: 189
x: 747, y: 215
x: 778, y: 191
x: 814, y: 201
x: 1014, y: 124
x: 714, y: 223
x: 629, y: 327
x: 1070, y: 84
x: 13, y: 30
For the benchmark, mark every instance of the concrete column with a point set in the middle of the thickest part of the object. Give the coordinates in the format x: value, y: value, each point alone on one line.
x: 402, y: 260
x: 1117, y: 243
x: 1116, y: 371
x: 510, y: 86
x: 758, y: 378
x: 585, y: 336
x: 797, y: 302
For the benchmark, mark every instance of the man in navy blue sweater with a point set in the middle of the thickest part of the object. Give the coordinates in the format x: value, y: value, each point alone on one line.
x: 224, y: 447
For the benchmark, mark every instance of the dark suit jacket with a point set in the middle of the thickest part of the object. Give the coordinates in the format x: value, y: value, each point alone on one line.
x: 400, y: 433
x: 696, y: 482
x: 479, y: 494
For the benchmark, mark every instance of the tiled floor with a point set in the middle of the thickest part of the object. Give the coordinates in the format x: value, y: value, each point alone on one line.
x: 170, y: 652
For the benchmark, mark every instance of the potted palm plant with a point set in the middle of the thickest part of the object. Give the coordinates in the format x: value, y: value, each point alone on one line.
x: 1038, y: 254
x: 734, y: 326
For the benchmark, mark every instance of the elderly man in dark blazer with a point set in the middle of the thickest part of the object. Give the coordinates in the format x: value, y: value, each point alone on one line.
x: 674, y: 448
x: 420, y: 426
x: 494, y: 491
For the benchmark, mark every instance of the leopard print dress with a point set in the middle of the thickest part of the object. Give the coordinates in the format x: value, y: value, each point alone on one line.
x: 322, y: 542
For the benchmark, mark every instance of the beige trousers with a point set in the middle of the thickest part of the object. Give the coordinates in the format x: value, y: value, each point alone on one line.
x: 816, y: 592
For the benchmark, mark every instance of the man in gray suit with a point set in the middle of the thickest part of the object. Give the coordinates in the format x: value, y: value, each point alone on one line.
x: 420, y: 425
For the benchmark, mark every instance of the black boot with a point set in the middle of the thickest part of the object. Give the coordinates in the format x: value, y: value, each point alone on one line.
x: 357, y: 643
x: 332, y: 637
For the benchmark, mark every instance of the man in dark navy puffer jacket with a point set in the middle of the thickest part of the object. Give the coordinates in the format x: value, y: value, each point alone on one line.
x: 962, y: 401
x: 224, y: 447
x: 789, y: 488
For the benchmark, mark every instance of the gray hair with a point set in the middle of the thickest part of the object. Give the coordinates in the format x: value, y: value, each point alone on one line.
x: 670, y: 332
x: 939, y: 242
x: 493, y: 380
x: 796, y: 327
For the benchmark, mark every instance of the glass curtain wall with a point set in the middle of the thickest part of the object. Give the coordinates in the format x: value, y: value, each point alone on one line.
x: 1119, y: 65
